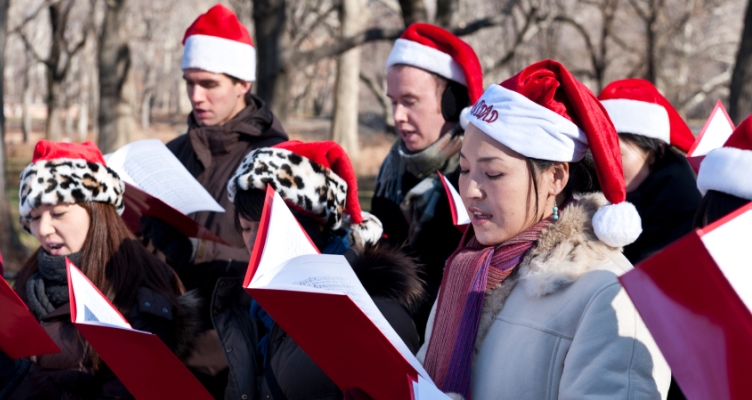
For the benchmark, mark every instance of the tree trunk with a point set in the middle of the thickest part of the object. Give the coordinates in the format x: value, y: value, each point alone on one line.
x: 11, y: 247
x: 83, y: 120
x: 740, y: 98
x: 26, y: 108
x: 345, y: 124
x: 146, y: 110
x: 58, y: 14
x: 413, y: 11
x: 114, y: 61
x: 269, y: 17
x: 53, y: 126
x: 447, y: 12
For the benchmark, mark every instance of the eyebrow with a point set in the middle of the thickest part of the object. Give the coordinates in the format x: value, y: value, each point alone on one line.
x: 482, y: 159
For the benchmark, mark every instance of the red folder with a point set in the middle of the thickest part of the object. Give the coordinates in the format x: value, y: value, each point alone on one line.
x: 142, y: 362
x: 141, y: 204
x: 717, y: 129
x: 20, y: 333
x: 694, y: 298
x: 460, y: 218
x: 333, y: 328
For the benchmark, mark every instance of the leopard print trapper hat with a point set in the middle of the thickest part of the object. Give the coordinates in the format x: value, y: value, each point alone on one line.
x: 315, y: 177
x: 68, y: 173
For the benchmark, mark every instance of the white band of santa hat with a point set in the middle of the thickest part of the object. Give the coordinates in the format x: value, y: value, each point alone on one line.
x: 637, y: 107
x: 437, y: 50
x: 726, y: 169
x: 217, y: 42
x: 545, y: 113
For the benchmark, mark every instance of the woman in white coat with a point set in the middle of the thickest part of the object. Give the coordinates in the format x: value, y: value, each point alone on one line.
x: 530, y: 305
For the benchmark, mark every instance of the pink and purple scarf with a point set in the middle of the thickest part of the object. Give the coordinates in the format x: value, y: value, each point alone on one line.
x: 472, y: 272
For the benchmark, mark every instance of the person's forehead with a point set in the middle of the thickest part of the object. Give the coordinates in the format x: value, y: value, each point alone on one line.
x: 401, y: 78
x: 200, y: 74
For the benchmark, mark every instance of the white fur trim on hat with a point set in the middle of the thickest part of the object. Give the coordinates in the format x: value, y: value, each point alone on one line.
x: 639, y: 118
x: 617, y: 225
x: 725, y: 170
x: 464, y: 122
x: 415, y: 54
x: 69, y: 181
x: 527, y: 127
x: 220, y: 56
x: 313, y: 188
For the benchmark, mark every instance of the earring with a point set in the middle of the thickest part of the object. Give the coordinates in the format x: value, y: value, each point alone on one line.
x: 556, y: 212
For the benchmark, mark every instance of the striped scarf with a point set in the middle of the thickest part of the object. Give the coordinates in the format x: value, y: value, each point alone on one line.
x: 472, y: 272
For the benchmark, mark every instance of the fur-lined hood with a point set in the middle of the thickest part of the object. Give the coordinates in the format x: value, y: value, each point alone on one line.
x: 566, y: 250
x: 387, y: 272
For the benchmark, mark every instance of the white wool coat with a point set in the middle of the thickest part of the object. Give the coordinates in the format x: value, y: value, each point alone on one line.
x: 562, y: 327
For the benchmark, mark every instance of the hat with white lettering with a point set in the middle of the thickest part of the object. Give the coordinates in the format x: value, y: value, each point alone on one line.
x: 543, y: 112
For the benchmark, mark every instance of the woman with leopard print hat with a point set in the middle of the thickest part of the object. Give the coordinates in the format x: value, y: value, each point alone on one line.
x: 318, y: 183
x: 71, y: 202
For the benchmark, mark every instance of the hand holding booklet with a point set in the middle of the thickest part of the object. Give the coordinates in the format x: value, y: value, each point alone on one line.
x: 142, y: 362
x: 158, y: 185
x: 20, y: 333
x: 319, y: 301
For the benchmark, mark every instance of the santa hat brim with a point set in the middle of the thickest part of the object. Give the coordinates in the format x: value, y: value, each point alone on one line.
x: 408, y: 52
x: 723, y: 170
x: 639, y: 118
x: 220, y: 56
x: 69, y: 181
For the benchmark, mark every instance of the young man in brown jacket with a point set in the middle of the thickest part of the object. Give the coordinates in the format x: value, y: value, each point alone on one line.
x: 227, y: 122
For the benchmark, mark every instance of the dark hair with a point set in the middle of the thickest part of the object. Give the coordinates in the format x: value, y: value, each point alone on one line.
x: 654, y: 147
x: 582, y: 176
x: 716, y: 205
x: 116, y: 263
x: 249, y: 204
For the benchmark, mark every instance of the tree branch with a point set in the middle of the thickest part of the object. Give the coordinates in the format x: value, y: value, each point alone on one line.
x: 522, y: 37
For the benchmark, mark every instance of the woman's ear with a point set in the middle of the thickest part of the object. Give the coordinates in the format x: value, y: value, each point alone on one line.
x: 560, y: 173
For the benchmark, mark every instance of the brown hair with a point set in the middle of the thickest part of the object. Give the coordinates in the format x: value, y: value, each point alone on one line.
x: 116, y: 263
x: 441, y: 82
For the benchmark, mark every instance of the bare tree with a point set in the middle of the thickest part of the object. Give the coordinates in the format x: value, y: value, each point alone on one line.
x: 269, y: 17
x: 114, y: 59
x: 740, y: 99
x: 345, y: 124
x: 11, y: 247
x: 413, y: 11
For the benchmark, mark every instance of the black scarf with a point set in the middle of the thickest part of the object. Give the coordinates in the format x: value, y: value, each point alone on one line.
x: 48, y: 288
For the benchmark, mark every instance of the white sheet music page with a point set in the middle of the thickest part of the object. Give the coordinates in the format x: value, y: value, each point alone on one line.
x: 285, y: 239
x: 718, y: 128
x: 463, y: 218
x: 150, y: 166
x: 91, y: 307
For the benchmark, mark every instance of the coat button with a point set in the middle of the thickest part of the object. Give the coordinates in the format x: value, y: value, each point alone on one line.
x: 147, y: 304
x: 165, y: 310
x: 216, y: 311
x: 244, y: 397
x: 222, y: 284
x: 228, y: 349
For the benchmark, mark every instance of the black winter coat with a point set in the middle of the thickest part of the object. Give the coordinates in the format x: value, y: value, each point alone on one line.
x: 389, y: 277
x: 431, y: 247
x: 666, y: 201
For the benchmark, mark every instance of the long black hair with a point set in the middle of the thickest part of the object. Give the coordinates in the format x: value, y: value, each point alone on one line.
x: 582, y: 176
x: 716, y: 205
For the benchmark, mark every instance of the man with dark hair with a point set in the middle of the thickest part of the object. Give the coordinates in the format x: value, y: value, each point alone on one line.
x: 431, y: 77
x: 227, y: 123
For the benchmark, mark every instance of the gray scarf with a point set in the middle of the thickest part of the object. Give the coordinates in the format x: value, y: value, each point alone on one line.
x: 419, y: 204
x: 48, y: 288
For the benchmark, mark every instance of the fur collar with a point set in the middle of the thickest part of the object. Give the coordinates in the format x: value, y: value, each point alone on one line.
x: 188, y: 323
x: 565, y: 251
x: 387, y: 272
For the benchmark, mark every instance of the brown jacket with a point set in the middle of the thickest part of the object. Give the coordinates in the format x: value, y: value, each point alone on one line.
x: 70, y: 375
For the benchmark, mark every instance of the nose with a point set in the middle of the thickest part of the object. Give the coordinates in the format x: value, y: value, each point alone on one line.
x: 471, y: 189
x: 400, y: 113
x: 196, y: 94
x: 44, y: 226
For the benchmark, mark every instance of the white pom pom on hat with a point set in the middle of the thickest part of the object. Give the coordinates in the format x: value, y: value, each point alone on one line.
x: 525, y: 114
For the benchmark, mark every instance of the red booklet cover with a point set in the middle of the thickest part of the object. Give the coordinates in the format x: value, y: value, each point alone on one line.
x: 20, y: 333
x: 141, y: 361
x: 460, y: 217
x: 695, y: 298
x: 141, y: 204
x: 318, y: 300
x: 717, y: 129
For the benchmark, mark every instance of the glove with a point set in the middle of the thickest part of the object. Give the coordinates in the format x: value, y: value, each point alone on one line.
x: 178, y: 249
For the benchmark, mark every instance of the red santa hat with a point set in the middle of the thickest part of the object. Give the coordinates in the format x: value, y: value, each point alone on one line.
x: 68, y: 173
x: 217, y: 42
x: 635, y: 106
x: 317, y: 178
x: 436, y: 50
x: 725, y: 169
x: 543, y: 112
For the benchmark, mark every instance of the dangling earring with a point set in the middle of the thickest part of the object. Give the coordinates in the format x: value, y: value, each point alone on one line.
x: 556, y: 212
